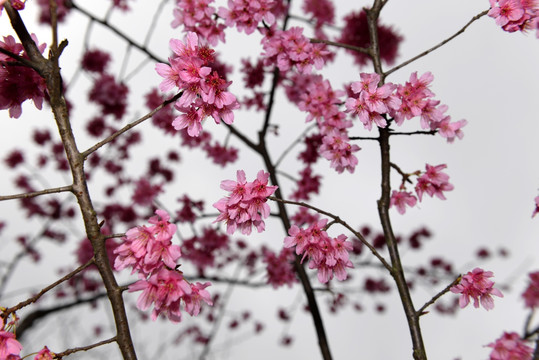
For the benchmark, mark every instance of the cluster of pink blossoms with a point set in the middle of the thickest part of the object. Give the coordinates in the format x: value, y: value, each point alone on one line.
x: 328, y: 255
x: 17, y: 4
x: 476, y: 285
x: 199, y: 17
x: 149, y: 251
x: 291, y: 48
x: 322, y: 104
x: 510, y: 347
x: 402, y: 102
x: 246, y: 15
x: 246, y: 206
x: 204, y: 91
x: 19, y: 82
x: 515, y: 15
x: 432, y: 182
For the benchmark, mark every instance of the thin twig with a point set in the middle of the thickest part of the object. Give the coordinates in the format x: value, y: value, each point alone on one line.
x: 32, y: 194
x: 421, y: 311
x: 430, y: 132
x: 476, y: 17
x: 291, y: 146
x: 129, y: 126
x: 36, y: 297
x: 84, y: 348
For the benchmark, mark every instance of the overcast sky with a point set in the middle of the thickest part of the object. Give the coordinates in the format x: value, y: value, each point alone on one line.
x: 486, y: 76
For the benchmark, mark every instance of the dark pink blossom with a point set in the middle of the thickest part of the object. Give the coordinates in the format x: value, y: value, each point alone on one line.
x: 19, y: 83
x: 536, y: 210
x: 9, y: 346
x: 95, y: 61
x: 476, y: 285
x: 44, y: 354
x: 109, y: 95
x: 531, y: 294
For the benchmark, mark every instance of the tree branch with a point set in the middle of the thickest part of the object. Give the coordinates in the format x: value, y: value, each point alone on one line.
x: 37, y: 193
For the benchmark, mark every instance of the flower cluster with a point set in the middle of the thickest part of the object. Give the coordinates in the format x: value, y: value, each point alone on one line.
x: 19, y: 83
x: 17, y: 4
x: 328, y: 255
x: 531, y: 294
x: 536, y: 210
x: 149, y: 251
x: 279, y: 267
x: 510, y: 347
x: 515, y: 15
x: 246, y: 206
x: 476, y: 285
x: 432, y: 182
x: 291, y: 48
x: 204, y: 91
x: 199, y: 17
x: 247, y: 14
x: 371, y: 103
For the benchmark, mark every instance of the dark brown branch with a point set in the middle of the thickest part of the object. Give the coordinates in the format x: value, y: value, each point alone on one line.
x: 426, y: 52
x: 397, y: 271
x: 421, y: 311
x: 430, y: 132
x: 37, y: 193
x: 129, y: 126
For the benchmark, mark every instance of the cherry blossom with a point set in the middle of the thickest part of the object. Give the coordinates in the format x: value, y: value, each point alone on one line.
x: 330, y: 256
x: 433, y: 182
x: 510, y: 347
x: 401, y: 199
x: 204, y: 91
x: 246, y: 205
x: 476, y: 285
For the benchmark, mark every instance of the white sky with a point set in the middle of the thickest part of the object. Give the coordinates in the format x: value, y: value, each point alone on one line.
x: 486, y: 76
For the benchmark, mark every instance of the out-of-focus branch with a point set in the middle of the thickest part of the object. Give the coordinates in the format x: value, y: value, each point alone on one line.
x: 426, y: 52
x: 37, y: 193
x: 342, y: 45
x: 118, y: 32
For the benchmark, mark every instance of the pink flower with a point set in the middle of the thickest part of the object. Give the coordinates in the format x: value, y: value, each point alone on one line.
x: 164, y: 290
x: 328, y: 255
x: 531, y: 294
x: 510, y: 347
x: 279, y: 268
x: 44, y: 354
x: 475, y: 285
x: 198, y: 294
x: 8, y: 345
x: 433, y: 182
x: 401, y: 199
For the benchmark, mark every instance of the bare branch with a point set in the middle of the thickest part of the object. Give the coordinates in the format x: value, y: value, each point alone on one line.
x: 37, y: 193
x: 129, y: 126
x: 421, y: 311
x: 84, y: 348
